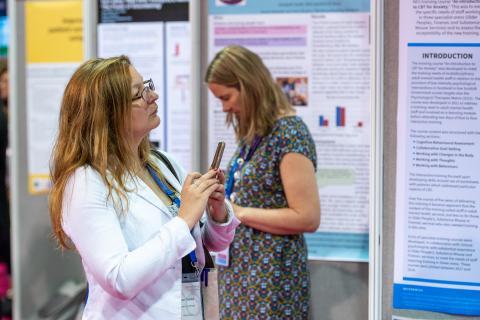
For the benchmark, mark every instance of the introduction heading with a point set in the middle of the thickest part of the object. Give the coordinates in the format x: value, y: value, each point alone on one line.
x: 431, y: 55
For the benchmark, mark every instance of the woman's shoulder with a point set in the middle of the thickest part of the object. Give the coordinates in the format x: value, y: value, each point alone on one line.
x: 161, y: 156
x: 84, y: 177
x: 86, y: 171
x: 288, y: 125
x: 165, y: 160
x: 291, y: 134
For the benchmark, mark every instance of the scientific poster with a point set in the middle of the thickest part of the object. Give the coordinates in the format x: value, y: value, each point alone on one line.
x: 3, y: 36
x: 3, y: 29
x: 319, y: 53
x: 437, y: 238
x: 156, y: 37
x: 54, y: 49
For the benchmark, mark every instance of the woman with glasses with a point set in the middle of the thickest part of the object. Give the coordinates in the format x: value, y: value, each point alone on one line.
x: 131, y: 213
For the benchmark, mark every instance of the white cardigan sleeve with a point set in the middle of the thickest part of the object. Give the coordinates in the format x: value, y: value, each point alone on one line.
x: 218, y: 236
x: 94, y: 227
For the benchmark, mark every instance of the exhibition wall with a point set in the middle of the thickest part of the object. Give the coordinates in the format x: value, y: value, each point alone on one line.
x: 352, y: 265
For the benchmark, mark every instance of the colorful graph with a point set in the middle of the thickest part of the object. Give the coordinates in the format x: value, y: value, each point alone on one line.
x: 340, y: 115
x: 322, y: 121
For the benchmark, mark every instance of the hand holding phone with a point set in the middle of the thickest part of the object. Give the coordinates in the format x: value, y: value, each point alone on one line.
x: 217, y: 158
x: 216, y: 203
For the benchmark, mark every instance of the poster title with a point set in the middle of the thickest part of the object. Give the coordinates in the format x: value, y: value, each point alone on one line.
x: 136, y: 4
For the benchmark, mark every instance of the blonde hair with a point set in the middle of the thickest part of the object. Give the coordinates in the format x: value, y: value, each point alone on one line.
x: 262, y: 100
x: 94, y: 129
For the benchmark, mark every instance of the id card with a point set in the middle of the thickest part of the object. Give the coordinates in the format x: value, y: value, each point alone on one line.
x: 222, y: 257
x: 191, y: 297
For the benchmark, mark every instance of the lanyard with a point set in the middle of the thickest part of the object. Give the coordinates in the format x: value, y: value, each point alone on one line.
x: 164, y: 187
x: 239, y: 162
x: 176, y: 200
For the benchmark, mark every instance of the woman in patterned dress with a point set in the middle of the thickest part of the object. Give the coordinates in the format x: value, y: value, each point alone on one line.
x: 272, y: 185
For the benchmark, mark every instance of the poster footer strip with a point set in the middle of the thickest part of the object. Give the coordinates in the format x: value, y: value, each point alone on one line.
x: 337, y: 246
x: 446, y: 300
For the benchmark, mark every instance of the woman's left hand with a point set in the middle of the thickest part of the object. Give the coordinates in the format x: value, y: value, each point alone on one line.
x: 216, y: 202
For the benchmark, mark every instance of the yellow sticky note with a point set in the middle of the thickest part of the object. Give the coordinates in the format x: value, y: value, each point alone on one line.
x: 39, y: 183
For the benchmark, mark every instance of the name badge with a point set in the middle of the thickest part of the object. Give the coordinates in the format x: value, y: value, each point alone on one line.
x: 222, y: 257
x: 191, y: 297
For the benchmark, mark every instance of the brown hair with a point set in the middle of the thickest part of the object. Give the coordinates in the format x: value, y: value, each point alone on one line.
x: 262, y: 100
x: 4, y: 101
x: 94, y: 129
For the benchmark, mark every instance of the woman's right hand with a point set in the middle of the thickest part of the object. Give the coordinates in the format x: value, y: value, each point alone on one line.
x: 196, y: 190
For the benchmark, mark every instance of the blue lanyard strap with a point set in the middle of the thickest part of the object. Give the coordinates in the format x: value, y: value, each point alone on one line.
x: 231, y: 181
x: 193, y: 258
x: 239, y: 162
x: 163, y: 186
x: 176, y: 200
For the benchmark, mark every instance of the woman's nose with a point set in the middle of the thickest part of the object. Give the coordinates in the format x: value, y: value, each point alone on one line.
x: 153, y: 96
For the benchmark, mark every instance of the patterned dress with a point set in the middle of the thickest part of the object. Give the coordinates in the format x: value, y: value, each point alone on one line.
x: 267, y: 277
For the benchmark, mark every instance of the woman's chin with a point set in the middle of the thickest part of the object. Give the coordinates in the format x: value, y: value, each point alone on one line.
x: 156, y: 120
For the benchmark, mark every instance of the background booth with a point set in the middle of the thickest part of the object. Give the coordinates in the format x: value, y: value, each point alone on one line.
x: 332, y: 48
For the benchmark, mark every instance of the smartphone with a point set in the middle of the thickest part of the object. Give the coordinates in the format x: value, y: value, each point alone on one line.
x: 217, y: 158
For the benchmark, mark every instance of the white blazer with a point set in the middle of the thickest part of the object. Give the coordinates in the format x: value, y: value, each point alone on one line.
x: 133, y: 261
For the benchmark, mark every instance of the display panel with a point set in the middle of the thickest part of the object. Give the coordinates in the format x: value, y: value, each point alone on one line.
x: 3, y: 36
x: 319, y: 53
x: 156, y: 37
x: 54, y: 49
x: 437, y: 243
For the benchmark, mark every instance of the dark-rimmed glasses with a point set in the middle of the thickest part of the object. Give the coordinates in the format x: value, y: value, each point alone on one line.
x: 148, y: 87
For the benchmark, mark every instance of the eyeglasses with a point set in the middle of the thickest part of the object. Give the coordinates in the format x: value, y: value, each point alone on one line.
x: 148, y: 87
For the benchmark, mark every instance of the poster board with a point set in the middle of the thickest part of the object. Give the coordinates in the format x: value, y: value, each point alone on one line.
x: 391, y: 110
x: 3, y: 29
x: 38, y: 268
x: 54, y: 49
x: 157, y: 38
x: 437, y: 242
x: 327, y: 80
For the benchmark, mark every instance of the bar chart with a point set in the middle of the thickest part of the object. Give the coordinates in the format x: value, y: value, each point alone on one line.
x: 339, y: 114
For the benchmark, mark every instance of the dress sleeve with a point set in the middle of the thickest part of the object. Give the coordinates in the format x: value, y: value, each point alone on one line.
x: 293, y: 136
